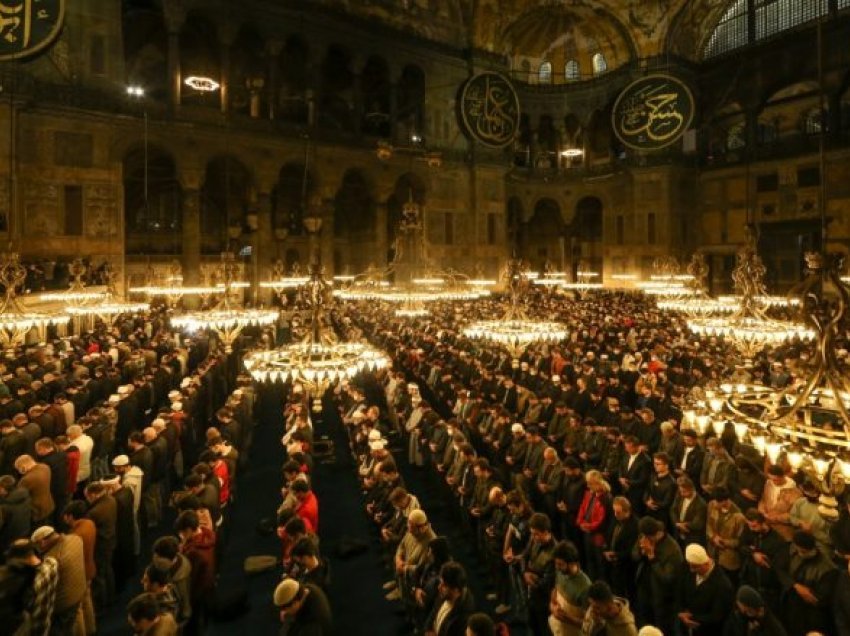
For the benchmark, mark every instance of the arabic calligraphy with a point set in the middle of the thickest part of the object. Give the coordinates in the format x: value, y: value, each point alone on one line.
x: 489, y: 109
x: 28, y: 26
x: 653, y: 112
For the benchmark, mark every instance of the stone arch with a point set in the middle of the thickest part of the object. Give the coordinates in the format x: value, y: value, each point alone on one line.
x: 354, y: 206
x: 411, y: 99
x: 145, y: 38
x: 248, y: 73
x: 295, y: 186
x: 407, y: 187
x: 337, y: 81
x: 544, y: 232
x: 513, y: 223
x: 295, y: 79
x: 152, y: 200
x: 225, y: 198
x: 199, y: 56
x: 355, y: 221
x: 585, y: 234
x: 375, y: 92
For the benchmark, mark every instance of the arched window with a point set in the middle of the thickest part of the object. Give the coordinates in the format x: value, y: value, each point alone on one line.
x: 771, y: 17
x: 571, y: 71
x: 599, y: 64
x: 544, y: 75
x: 812, y: 122
x: 736, y: 138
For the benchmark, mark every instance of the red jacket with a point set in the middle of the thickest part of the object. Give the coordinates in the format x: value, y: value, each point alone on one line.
x: 595, y: 516
x: 220, y: 470
x: 73, y: 464
x: 200, y: 550
x: 308, y: 510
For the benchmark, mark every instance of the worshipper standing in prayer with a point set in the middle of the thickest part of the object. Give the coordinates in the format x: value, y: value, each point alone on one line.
x: 607, y: 615
x: 304, y: 609
x: 705, y: 594
x: 568, y: 601
x: 71, y: 584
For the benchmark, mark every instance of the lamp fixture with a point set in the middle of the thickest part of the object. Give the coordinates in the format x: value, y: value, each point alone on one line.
x: 226, y: 321
x: 515, y: 331
x: 201, y: 83
x: 749, y: 328
x: 111, y: 306
x: 319, y: 359
x: 16, y: 321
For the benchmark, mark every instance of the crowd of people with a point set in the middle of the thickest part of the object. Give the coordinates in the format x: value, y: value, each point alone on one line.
x: 596, y: 509
x: 591, y: 504
x: 106, y: 438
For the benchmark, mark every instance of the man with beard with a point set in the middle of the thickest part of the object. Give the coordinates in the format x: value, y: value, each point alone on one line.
x: 763, y: 554
x: 809, y: 585
x: 751, y: 616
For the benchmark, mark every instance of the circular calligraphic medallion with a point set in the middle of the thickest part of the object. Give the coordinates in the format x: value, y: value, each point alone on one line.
x: 653, y: 112
x: 488, y: 109
x: 29, y: 26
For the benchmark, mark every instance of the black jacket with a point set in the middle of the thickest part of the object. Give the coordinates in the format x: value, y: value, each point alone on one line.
x: 709, y: 602
x: 454, y: 624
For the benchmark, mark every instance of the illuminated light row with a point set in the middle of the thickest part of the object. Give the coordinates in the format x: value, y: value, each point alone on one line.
x: 750, y: 329
x: 314, y: 363
x: 768, y: 301
x: 26, y: 320
x: 111, y: 308
x: 224, y: 319
x: 696, y: 305
x: 82, y: 296
x: 516, y: 333
x: 174, y: 290
x: 411, y: 312
x: 284, y: 283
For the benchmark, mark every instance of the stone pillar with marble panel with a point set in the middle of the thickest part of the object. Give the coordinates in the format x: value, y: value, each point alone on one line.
x: 394, y: 112
x: 273, y: 51
x: 191, y: 242
x: 175, y: 16
x: 265, y: 241
x: 226, y: 37
x: 381, y: 238
x: 326, y: 238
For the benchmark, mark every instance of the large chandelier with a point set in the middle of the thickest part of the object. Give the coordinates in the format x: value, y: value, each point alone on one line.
x: 225, y: 320
x: 111, y: 306
x: 172, y: 288
x: 809, y: 421
x: 417, y: 282
x: 587, y: 280
x: 76, y: 295
x: 698, y: 303
x: 666, y: 279
x: 15, y: 321
x: 281, y: 283
x: 515, y: 331
x: 319, y: 359
x: 749, y: 328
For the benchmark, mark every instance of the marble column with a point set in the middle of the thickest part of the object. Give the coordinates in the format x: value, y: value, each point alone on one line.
x: 264, y: 244
x: 175, y: 15
x: 273, y: 51
x: 191, y: 245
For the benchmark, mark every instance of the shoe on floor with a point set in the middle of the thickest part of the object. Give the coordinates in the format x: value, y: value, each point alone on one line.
x: 390, y: 585
x: 395, y: 595
x: 502, y: 609
x: 492, y: 596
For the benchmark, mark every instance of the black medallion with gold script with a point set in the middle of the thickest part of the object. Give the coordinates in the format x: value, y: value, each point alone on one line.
x: 653, y: 112
x: 29, y: 26
x: 488, y: 109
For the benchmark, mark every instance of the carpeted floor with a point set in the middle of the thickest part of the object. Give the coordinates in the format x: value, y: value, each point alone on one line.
x: 356, y: 593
